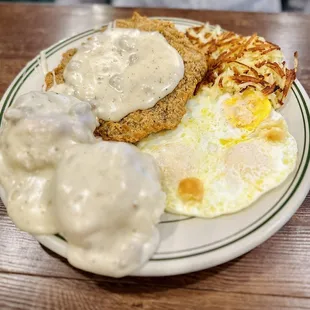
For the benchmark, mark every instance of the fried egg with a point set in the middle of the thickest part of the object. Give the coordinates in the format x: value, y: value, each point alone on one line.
x: 224, y: 155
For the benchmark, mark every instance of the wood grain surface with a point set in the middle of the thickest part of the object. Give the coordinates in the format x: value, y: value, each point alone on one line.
x: 275, y: 275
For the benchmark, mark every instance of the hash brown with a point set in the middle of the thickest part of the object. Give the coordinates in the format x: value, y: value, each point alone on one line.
x: 237, y: 63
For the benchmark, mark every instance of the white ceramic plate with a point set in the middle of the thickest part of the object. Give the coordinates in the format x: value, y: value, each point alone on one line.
x: 190, y: 244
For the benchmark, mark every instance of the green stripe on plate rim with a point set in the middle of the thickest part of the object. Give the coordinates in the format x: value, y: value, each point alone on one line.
x: 11, y: 93
x: 59, y: 45
x: 304, y: 162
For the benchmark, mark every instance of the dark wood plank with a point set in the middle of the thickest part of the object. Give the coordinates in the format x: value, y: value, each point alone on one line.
x: 278, y: 267
x: 27, y: 29
x: 26, y: 292
x: 274, y: 275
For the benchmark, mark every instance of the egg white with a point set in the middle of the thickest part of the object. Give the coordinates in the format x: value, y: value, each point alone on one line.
x: 235, y: 164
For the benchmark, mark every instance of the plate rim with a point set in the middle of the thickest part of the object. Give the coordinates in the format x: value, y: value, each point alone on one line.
x: 178, y: 265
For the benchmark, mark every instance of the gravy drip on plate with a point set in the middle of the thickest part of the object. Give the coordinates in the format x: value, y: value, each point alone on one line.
x: 105, y: 198
x: 122, y: 70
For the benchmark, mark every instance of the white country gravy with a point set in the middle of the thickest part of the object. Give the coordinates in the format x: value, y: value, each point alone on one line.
x: 122, y: 70
x: 104, y: 197
x: 108, y: 203
x: 37, y: 129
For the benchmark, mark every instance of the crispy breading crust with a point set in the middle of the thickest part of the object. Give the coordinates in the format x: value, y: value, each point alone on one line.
x: 57, y: 74
x: 168, y: 112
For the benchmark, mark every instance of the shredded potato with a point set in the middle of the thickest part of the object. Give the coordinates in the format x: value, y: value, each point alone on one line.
x: 237, y: 63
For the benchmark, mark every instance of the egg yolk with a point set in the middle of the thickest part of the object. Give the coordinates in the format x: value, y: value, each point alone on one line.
x: 273, y: 131
x: 230, y: 142
x: 191, y: 189
x: 247, y: 110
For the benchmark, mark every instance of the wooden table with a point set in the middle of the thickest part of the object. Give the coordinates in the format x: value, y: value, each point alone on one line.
x: 276, y: 275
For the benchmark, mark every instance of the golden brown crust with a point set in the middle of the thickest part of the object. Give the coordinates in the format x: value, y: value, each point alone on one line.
x: 168, y: 112
x: 57, y: 74
x: 228, y: 52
